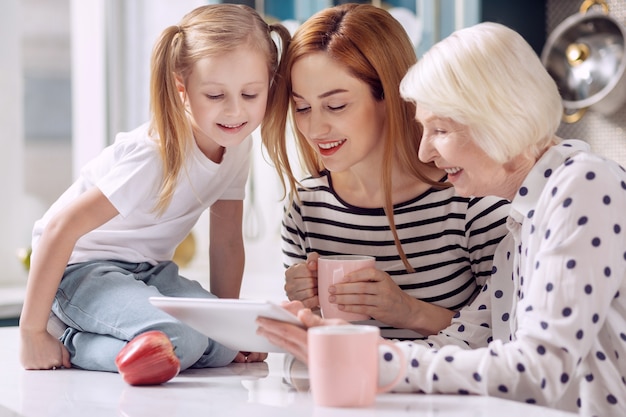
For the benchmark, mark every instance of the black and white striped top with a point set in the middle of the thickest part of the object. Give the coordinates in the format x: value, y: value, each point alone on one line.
x: 448, y: 239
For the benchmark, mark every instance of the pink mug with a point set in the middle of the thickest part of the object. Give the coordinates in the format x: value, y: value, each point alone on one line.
x: 331, y: 270
x: 343, y: 365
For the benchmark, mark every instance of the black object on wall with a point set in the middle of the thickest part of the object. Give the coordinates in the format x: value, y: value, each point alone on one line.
x: 527, y: 17
x: 9, y: 322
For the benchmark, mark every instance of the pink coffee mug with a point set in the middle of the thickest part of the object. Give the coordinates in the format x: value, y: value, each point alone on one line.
x: 343, y: 365
x: 331, y: 270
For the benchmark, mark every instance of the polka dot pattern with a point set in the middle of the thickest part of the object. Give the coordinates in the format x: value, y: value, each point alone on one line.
x: 545, y: 314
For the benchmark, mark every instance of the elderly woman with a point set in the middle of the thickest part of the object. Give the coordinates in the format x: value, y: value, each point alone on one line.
x: 550, y: 325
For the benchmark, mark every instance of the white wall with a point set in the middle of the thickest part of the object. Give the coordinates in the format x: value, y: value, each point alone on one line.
x: 12, y: 222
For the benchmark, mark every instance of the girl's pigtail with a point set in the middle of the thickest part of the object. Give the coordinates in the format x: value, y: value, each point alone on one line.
x: 283, y: 37
x: 273, y: 128
x: 169, y: 121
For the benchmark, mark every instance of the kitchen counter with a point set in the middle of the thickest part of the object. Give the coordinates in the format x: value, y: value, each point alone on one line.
x: 275, y: 388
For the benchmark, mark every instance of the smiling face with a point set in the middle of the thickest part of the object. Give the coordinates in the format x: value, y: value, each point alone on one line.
x: 451, y: 147
x: 337, y: 114
x: 226, y: 96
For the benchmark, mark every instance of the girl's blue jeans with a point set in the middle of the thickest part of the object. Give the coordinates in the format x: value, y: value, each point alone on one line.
x: 105, y: 305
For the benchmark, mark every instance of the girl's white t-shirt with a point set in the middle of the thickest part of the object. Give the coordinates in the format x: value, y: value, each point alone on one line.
x: 129, y: 174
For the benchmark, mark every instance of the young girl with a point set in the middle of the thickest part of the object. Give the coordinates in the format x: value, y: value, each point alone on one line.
x: 106, y: 245
x: 368, y: 193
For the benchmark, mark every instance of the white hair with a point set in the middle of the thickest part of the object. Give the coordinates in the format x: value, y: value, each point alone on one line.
x: 488, y: 78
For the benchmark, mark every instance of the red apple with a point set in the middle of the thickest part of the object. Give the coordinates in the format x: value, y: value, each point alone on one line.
x: 148, y: 359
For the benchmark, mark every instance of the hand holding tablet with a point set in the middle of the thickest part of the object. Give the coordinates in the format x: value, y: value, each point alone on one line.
x: 230, y: 322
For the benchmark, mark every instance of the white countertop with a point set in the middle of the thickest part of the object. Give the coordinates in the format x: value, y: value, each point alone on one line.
x: 258, y: 389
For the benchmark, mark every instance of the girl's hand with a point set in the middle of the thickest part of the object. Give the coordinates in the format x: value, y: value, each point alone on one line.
x: 248, y: 357
x: 43, y: 351
x: 289, y: 336
x: 301, y: 282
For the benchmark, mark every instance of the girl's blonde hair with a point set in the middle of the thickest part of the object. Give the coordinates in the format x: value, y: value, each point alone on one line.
x: 489, y: 78
x: 204, y: 32
x: 375, y: 49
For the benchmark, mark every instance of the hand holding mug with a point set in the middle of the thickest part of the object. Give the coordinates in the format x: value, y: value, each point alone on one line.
x: 301, y: 282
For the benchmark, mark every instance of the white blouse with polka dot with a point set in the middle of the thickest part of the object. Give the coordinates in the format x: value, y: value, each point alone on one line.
x: 550, y: 325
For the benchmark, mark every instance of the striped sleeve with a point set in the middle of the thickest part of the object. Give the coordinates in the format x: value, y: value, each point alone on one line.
x: 292, y: 236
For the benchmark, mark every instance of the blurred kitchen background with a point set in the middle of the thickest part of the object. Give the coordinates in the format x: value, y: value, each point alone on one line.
x: 75, y: 72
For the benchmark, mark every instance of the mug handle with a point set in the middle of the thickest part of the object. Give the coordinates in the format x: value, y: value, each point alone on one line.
x: 402, y: 370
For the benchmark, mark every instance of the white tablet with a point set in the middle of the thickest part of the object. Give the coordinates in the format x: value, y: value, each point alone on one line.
x: 230, y: 322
